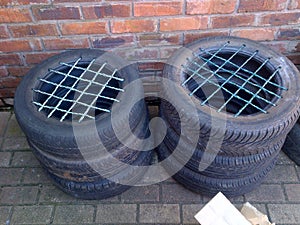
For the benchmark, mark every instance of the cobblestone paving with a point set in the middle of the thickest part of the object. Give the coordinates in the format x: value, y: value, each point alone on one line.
x: 28, y: 197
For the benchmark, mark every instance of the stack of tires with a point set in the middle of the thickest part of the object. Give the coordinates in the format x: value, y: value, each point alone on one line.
x: 65, y: 147
x: 233, y: 153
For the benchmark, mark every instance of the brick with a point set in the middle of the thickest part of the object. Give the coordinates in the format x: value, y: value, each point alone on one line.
x: 104, y: 11
x: 113, y: 41
x: 9, y: 82
x: 19, y: 45
x: 137, y: 54
x: 4, y: 121
x: 18, y: 71
x: 141, y: 194
x: 5, y: 158
x: 258, y: 34
x: 210, y: 6
x: 13, y: 128
x: 280, y: 19
x: 10, y: 59
x: 55, y: 13
x: 158, y: 39
x: 144, y: 66
x: 285, y: 213
x: 189, y: 211
x: 167, y: 52
x: 70, y: 214
x: 24, y: 159
x: 65, y: 43
x: 3, y: 72
x: 22, y: 2
x: 38, y: 57
x: 261, y: 5
x: 116, y: 213
x: 295, y: 58
x: 10, y: 176
x: 14, y: 15
x: 183, y: 23
x: 232, y: 21
x: 15, y: 143
x: 133, y: 26
x: 31, y: 215
x: 3, y: 32
x: 279, y: 47
x: 294, y: 4
x: 293, y: 192
x: 157, y: 8
x: 266, y: 194
x: 18, y: 195
x: 35, y: 30
x: 281, y: 174
x: 35, y: 176
x: 4, y: 214
x: 84, y: 28
x: 190, y: 37
x: 175, y: 193
x: 288, y: 34
x: 283, y: 159
x: 63, y: 1
x: 7, y: 92
x: 159, y: 213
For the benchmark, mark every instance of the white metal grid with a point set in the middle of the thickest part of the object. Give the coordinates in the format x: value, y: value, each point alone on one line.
x: 87, y: 88
x: 195, y: 67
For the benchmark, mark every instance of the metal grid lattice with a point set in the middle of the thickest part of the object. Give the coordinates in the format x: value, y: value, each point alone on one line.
x: 87, y: 89
x: 200, y: 69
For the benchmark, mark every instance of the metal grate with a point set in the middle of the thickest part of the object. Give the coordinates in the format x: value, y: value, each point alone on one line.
x: 78, y: 90
x: 248, y: 83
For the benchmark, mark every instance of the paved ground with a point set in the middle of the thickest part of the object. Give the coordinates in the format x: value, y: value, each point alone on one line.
x: 27, y: 196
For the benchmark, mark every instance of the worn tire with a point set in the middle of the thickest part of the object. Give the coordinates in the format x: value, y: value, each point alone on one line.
x: 291, y: 146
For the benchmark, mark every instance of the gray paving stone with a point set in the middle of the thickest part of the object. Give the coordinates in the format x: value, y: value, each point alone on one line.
x: 4, y: 117
x: 4, y: 214
x: 116, y: 213
x: 283, y: 159
x: 266, y: 193
x: 71, y: 214
x: 10, y: 176
x: 18, y: 195
x: 51, y: 194
x: 26, y: 159
x: 285, y: 213
x: 233, y: 200
x: 176, y: 193
x: 298, y: 171
x: 189, y: 211
x: 293, y: 192
x: 16, y: 143
x: 282, y: 173
x: 13, y: 128
x: 5, y: 159
x: 141, y: 194
x: 31, y: 215
x: 35, y: 176
x: 159, y: 213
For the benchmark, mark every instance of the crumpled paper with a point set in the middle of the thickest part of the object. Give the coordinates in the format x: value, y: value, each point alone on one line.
x: 254, y: 216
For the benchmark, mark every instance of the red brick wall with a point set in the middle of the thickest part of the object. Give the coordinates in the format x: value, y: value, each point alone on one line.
x: 148, y: 31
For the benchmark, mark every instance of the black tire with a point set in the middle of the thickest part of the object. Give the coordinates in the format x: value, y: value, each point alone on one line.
x: 291, y: 146
x: 54, y: 135
x: 222, y: 164
x: 53, y: 139
x: 209, y: 185
x: 244, y: 130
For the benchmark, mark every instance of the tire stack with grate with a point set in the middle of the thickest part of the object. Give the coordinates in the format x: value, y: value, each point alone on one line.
x: 45, y: 92
x: 261, y: 92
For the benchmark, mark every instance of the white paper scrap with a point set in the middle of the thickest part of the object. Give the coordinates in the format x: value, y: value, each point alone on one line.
x: 220, y: 211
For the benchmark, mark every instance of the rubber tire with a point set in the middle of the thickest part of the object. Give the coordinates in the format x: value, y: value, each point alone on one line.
x: 243, y: 130
x: 201, y: 182
x: 55, y: 136
x: 291, y: 146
